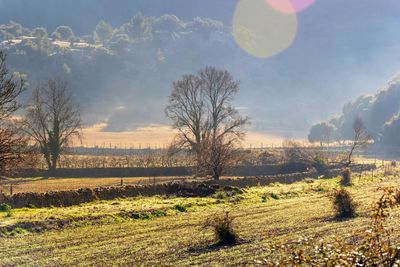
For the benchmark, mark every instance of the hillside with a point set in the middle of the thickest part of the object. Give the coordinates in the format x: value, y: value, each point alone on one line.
x: 121, y: 59
x: 379, y: 111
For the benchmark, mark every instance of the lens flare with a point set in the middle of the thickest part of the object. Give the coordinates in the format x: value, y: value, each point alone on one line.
x: 262, y: 31
x: 290, y: 6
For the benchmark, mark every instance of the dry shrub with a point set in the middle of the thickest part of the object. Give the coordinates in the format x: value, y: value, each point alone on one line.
x: 346, y: 177
x: 343, y: 203
x: 222, y: 226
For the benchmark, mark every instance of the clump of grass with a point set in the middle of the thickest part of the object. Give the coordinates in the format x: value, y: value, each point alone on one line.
x: 4, y: 207
x: 343, y: 203
x: 142, y: 215
x: 31, y: 206
x: 222, y: 226
x: 346, y: 177
x: 180, y: 208
x: 220, y: 195
x: 158, y: 213
x: 270, y: 195
x: 319, y: 188
x: 17, y: 231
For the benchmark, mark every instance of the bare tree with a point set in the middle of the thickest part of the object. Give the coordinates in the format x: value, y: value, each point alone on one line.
x: 52, y: 120
x: 201, y: 108
x: 14, y: 149
x: 187, y: 110
x: 10, y: 88
x: 361, y: 138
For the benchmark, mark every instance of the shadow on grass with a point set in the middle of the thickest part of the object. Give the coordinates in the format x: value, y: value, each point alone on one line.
x: 214, y: 247
x: 341, y: 219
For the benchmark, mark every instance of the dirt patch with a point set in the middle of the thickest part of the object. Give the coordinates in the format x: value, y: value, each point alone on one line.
x: 47, y: 225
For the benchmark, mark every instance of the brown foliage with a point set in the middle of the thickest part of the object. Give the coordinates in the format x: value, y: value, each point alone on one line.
x: 343, y: 204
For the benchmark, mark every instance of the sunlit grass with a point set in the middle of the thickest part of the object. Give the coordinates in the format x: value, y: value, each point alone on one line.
x: 297, y: 210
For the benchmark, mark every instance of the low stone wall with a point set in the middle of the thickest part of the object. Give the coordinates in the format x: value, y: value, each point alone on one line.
x: 74, y: 197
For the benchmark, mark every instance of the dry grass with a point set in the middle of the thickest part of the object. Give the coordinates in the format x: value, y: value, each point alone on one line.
x: 302, y: 209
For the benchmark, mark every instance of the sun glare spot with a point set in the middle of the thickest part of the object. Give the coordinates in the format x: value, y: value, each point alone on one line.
x: 261, y: 30
x: 290, y: 6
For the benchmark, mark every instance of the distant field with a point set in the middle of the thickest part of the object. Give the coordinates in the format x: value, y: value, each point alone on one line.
x: 100, y: 236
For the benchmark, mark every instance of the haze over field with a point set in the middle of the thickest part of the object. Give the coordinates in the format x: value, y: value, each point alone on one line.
x: 158, y: 136
x: 199, y: 132
x: 326, y: 54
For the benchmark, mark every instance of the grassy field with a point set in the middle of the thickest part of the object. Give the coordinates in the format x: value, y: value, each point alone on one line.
x: 169, y: 231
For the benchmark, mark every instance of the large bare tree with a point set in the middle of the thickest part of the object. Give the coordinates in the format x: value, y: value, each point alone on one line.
x: 14, y: 147
x: 52, y: 120
x: 202, y: 111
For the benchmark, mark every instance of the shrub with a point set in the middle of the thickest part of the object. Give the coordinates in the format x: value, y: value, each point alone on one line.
x: 270, y: 195
x: 274, y: 195
x: 320, y: 164
x: 180, y: 208
x: 5, y: 207
x: 222, y: 226
x: 17, y: 231
x: 264, y: 198
x: 158, y: 213
x: 344, y: 204
x: 346, y: 177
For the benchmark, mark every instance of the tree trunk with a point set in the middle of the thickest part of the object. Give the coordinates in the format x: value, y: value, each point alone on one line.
x: 216, y: 173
